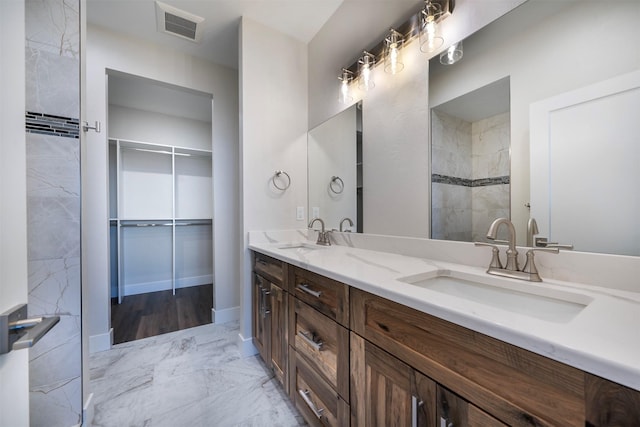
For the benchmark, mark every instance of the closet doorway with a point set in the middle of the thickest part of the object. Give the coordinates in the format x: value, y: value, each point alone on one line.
x: 160, y: 207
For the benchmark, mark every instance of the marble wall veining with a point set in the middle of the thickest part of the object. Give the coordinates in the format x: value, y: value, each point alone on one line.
x: 53, y: 207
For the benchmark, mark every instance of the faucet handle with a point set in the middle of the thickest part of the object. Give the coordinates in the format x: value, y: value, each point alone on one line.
x: 495, y: 258
x: 530, y: 265
x: 502, y: 242
x: 542, y: 242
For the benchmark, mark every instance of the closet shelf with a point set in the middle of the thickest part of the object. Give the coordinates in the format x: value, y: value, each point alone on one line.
x: 160, y: 148
x: 159, y: 195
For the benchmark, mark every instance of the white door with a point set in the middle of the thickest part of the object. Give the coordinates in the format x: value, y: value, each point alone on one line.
x: 587, y: 177
x: 14, y: 366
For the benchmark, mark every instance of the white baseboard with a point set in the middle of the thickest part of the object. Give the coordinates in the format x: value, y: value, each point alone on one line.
x: 246, y: 347
x: 186, y: 282
x: 101, y: 342
x: 225, y: 315
x: 164, y: 285
x: 87, y: 411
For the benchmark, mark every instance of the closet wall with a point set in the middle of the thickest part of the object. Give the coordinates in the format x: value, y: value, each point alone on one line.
x: 160, y: 187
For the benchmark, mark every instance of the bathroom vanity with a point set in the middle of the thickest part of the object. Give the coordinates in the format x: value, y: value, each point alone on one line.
x: 364, y: 338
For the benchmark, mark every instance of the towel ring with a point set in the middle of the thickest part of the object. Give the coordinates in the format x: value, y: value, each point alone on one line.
x: 276, y: 175
x: 339, y: 182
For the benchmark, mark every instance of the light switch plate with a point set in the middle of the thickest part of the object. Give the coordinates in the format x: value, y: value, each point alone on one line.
x: 316, y: 212
x: 300, y: 213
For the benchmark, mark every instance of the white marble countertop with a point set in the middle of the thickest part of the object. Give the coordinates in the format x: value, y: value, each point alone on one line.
x: 603, y: 338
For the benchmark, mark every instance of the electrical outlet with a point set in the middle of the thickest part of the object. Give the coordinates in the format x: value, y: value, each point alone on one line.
x: 300, y: 213
x: 316, y: 212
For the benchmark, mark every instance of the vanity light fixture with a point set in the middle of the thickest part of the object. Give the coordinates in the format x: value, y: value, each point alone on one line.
x: 430, y: 38
x: 423, y: 24
x: 393, y: 52
x: 452, y: 55
x: 365, y: 71
x: 344, y: 96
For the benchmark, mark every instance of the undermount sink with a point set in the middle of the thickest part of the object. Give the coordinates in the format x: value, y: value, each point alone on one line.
x: 523, y: 298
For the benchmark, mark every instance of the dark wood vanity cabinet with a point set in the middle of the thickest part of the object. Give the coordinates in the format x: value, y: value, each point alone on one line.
x: 480, y: 381
x: 610, y: 404
x: 270, y: 314
x: 348, y: 357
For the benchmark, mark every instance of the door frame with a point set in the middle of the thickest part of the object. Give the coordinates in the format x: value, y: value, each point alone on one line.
x: 14, y: 366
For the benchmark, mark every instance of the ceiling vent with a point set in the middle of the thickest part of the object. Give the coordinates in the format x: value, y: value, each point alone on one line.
x: 177, y: 22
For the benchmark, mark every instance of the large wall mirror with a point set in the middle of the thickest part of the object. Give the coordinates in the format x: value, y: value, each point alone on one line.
x: 334, y: 149
x: 537, y: 52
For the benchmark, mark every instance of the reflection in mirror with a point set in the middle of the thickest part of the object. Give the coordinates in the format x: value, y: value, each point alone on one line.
x: 604, y: 204
x: 470, y: 163
x: 548, y: 49
x: 335, y: 170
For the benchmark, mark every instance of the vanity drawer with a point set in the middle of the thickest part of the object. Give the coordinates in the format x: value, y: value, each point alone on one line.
x: 314, y: 398
x: 322, y: 342
x: 325, y: 295
x: 271, y: 268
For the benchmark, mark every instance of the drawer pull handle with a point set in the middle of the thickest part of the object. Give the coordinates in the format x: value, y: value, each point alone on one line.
x: 415, y: 404
x: 309, y: 339
x: 265, y: 310
x: 445, y: 422
x: 305, y: 288
x: 307, y: 400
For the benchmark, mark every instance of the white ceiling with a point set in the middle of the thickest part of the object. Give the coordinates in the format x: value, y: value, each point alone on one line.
x: 301, y: 19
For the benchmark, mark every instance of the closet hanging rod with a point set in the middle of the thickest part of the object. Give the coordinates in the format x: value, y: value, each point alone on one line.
x: 147, y: 224
x: 148, y: 150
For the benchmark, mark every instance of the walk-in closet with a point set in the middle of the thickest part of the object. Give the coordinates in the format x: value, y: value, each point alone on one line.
x: 160, y: 207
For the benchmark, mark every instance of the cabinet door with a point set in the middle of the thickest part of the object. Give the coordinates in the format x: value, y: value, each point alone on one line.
x: 611, y: 404
x: 387, y: 392
x: 261, y: 318
x: 277, y: 309
x: 454, y: 411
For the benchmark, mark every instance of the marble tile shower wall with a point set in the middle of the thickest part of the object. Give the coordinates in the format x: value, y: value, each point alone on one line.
x: 490, y: 141
x: 451, y: 152
x: 470, y: 175
x: 53, y: 207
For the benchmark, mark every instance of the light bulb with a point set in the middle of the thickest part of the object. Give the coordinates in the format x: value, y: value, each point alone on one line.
x: 430, y: 40
x: 393, y: 63
x: 365, y: 66
x: 344, y: 95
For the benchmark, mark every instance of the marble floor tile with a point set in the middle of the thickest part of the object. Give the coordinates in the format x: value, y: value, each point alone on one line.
x: 193, y: 377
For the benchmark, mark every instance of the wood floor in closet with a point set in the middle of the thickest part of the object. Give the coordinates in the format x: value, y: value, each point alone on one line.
x: 155, y: 313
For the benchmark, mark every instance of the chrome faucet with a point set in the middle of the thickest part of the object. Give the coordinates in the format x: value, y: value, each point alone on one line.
x: 323, y: 236
x: 529, y: 271
x: 342, y: 222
